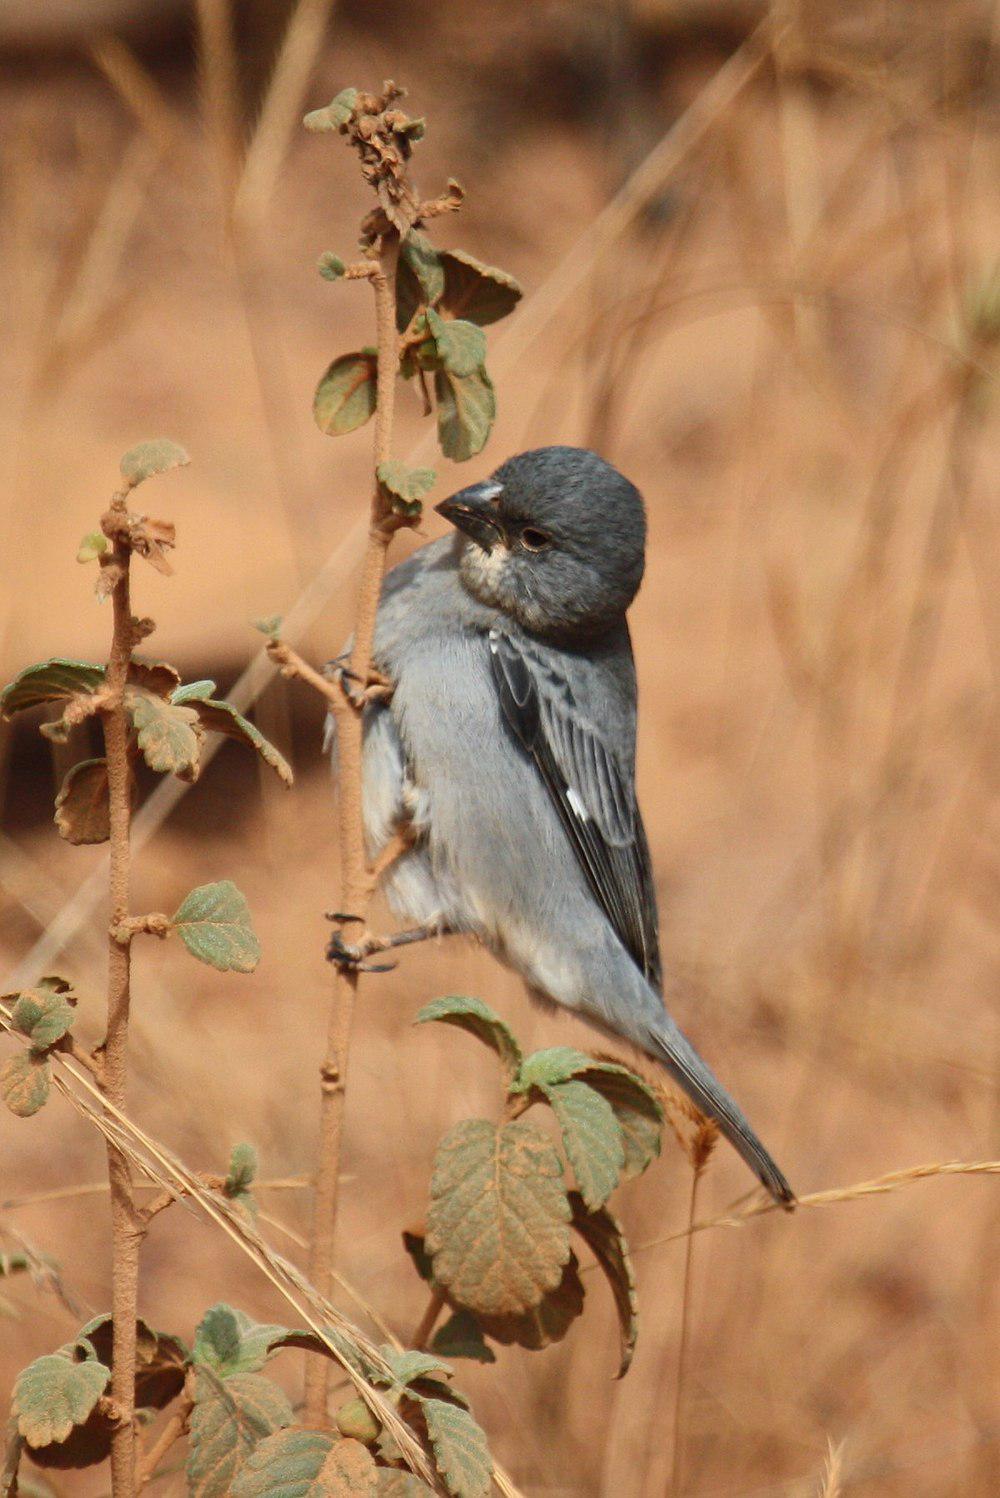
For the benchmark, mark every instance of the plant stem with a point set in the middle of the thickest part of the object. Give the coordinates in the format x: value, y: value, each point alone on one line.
x: 682, y: 1350
x: 425, y: 1326
x: 171, y: 1432
x: 126, y: 1228
x: 356, y: 881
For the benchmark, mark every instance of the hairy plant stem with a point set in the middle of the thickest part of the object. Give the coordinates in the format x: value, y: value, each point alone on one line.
x: 676, y: 1474
x: 126, y: 1227
x: 356, y: 881
x: 425, y: 1326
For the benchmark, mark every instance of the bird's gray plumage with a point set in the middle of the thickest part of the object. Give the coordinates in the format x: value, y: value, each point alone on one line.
x: 508, y: 747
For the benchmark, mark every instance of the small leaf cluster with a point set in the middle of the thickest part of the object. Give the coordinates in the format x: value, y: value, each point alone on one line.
x: 498, y: 1241
x: 44, y: 1015
x: 444, y: 300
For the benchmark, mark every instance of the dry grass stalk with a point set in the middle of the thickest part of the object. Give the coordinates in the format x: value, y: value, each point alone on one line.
x: 831, y: 1482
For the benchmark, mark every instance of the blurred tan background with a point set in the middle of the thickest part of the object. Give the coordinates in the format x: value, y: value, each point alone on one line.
x: 791, y: 351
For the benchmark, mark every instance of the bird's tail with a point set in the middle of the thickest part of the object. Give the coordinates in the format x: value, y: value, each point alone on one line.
x: 681, y: 1060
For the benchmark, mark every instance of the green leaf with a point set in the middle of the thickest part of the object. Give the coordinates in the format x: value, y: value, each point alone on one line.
x: 405, y: 487
x: 158, y: 677
x: 409, y: 1366
x: 346, y: 395
x: 476, y: 291
x: 83, y: 807
x: 479, y: 1020
x: 55, y: 680
x: 229, y: 1419
x: 330, y: 266
x: 466, y: 409
x: 193, y: 691
x: 497, y: 1229
x: 149, y: 458
x: 336, y: 114
x: 461, y: 1453
x: 591, y: 1137
x: 545, y: 1323
x: 229, y: 1341
x: 637, y: 1109
x: 270, y: 626
x: 419, y: 277
x: 461, y: 1336
x: 43, y: 1016
x: 461, y: 346
x: 394, y: 1483
x: 168, y: 736
x: 24, y: 1083
x: 298, y: 1463
x: 242, y: 1169
x: 214, y: 924
x: 53, y: 1394
x: 603, y: 1234
x: 635, y: 1105
x: 222, y: 717
x: 93, y: 545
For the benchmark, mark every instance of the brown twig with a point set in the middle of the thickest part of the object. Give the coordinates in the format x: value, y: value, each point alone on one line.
x: 126, y: 1225
x: 357, y: 883
x: 172, y: 1431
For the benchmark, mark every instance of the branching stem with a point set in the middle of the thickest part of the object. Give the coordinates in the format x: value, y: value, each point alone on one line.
x: 357, y: 882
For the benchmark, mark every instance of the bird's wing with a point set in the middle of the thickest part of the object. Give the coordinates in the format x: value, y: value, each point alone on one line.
x: 595, y: 800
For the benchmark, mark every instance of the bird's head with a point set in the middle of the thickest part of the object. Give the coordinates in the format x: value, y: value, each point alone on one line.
x: 556, y: 538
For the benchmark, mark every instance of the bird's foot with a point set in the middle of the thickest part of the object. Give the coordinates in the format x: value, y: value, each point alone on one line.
x: 351, y: 957
x: 360, y: 690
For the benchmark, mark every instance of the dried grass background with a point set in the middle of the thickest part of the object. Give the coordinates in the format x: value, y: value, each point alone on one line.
x: 779, y: 352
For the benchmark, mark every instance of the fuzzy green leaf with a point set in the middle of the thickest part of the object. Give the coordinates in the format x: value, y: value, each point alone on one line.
x: 591, y: 1137
x: 242, y: 1169
x: 545, y: 1323
x: 214, y: 924
x: 603, y: 1235
x: 24, y: 1083
x: 481, y: 293
x: 229, y: 1341
x: 230, y: 1418
x: 637, y: 1109
x: 336, y: 114
x: 330, y: 266
x: 405, y: 487
x: 169, y: 736
x: 346, y: 395
x: 222, y: 717
x: 409, y: 1366
x: 55, y: 680
x: 461, y: 1453
x: 461, y: 346
x: 149, y: 458
x: 298, y: 1463
x: 461, y: 1336
x: 419, y: 277
x: 498, y: 1225
x: 83, y: 807
x: 394, y: 1483
x: 54, y: 1394
x: 466, y: 409
x: 93, y: 545
x: 478, y: 1019
x: 192, y: 691
x: 43, y: 1015
x: 270, y: 626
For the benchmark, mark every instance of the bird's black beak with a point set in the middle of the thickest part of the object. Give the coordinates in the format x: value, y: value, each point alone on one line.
x: 473, y: 512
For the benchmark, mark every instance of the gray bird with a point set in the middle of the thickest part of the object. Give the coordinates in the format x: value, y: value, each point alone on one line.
x: 506, y: 753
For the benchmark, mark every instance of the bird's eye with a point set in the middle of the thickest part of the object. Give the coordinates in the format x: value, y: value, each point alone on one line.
x: 535, y: 540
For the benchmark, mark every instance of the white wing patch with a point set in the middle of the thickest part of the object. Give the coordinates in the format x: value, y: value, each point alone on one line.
x: 576, y: 804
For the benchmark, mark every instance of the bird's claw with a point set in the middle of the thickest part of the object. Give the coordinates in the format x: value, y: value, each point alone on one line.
x: 351, y: 957
x: 360, y: 690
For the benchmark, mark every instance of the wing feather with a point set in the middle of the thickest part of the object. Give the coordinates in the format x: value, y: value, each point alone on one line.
x: 594, y: 799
